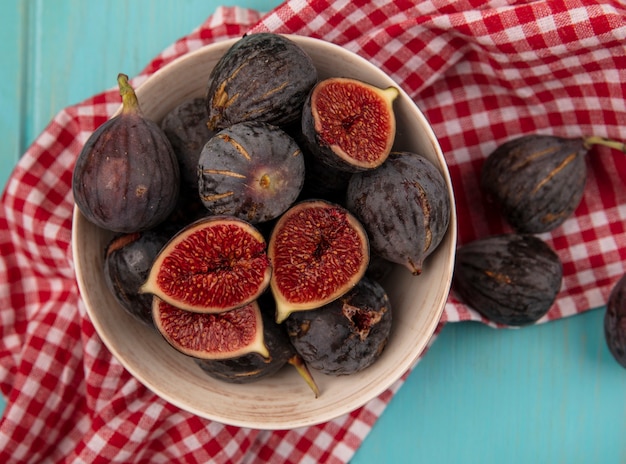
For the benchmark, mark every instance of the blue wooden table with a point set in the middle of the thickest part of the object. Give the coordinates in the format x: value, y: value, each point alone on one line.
x: 545, y: 394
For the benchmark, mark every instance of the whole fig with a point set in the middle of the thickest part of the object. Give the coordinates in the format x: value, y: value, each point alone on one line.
x: 126, y: 178
x: 186, y: 129
x: 346, y: 335
x: 127, y: 262
x: 250, y: 170
x: 537, y: 181
x: 511, y: 279
x: 615, y: 322
x: 404, y: 206
x: 262, y: 77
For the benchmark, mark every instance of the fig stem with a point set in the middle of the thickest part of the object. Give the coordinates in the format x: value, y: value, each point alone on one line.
x: 390, y: 93
x: 297, y: 362
x: 130, y: 104
x: 596, y: 140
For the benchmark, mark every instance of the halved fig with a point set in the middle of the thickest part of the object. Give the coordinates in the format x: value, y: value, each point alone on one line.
x: 215, y: 264
x: 348, y: 124
x: 211, y: 336
x: 319, y: 251
x: 253, y: 366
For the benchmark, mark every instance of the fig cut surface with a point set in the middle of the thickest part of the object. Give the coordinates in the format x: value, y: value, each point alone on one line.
x: 215, y: 264
x: 211, y: 336
x: 350, y: 124
x: 319, y: 251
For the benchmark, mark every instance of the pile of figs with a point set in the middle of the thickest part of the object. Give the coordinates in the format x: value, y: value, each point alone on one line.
x: 254, y: 227
x: 536, y: 182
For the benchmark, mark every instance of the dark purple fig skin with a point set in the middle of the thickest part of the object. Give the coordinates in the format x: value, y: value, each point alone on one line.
x: 511, y: 279
x: 127, y: 262
x: 251, y: 170
x: 185, y: 127
x: 615, y: 322
x: 379, y: 268
x: 347, y: 335
x: 262, y: 77
x: 404, y: 206
x: 536, y: 181
x: 126, y: 178
x: 322, y: 181
x: 252, y: 367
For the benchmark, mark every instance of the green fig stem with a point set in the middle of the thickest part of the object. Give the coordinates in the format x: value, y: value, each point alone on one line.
x: 297, y: 362
x: 130, y: 104
x: 596, y: 140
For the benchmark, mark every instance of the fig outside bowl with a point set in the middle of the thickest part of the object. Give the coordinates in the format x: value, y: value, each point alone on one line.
x: 283, y: 401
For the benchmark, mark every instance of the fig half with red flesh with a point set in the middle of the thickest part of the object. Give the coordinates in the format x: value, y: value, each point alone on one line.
x: 215, y: 264
x: 348, y: 124
x: 319, y: 251
x: 211, y: 336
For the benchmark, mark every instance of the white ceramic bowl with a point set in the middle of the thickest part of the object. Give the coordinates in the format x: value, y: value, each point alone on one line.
x: 283, y: 401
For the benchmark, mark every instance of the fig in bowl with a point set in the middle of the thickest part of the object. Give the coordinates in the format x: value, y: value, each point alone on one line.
x: 416, y: 301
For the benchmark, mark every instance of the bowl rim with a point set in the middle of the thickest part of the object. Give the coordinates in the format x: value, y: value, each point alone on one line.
x: 407, y: 362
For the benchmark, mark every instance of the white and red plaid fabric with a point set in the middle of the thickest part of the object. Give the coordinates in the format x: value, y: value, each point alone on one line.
x: 482, y: 72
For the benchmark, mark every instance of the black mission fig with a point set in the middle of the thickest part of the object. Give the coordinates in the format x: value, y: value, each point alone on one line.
x: 511, y: 279
x: 537, y: 181
x: 127, y: 263
x: 615, y: 322
x: 185, y: 127
x: 250, y: 170
x: 252, y: 367
x: 346, y: 335
x: 126, y: 178
x: 262, y: 77
x: 404, y: 206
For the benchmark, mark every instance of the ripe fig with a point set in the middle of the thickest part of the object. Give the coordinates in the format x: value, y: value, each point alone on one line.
x: 348, y: 124
x: 251, y: 170
x: 537, y: 181
x: 404, y: 206
x: 127, y: 262
x: 126, y: 178
x: 262, y: 77
x: 511, y: 279
x: 322, y: 181
x: 615, y: 322
x: 346, y: 335
x: 213, y: 265
x: 185, y: 127
x: 211, y: 336
x: 319, y: 251
x: 251, y: 367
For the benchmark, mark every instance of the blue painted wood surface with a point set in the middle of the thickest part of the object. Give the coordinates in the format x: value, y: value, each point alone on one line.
x: 546, y: 394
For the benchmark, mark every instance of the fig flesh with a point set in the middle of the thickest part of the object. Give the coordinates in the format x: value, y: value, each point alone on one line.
x: 538, y: 181
x: 319, y: 251
x: 251, y: 170
x: 346, y: 335
x: 262, y: 77
x: 404, y: 206
x: 511, y: 279
x: 615, y: 322
x: 215, y: 264
x: 127, y: 262
x: 348, y: 124
x: 211, y: 336
x: 186, y: 129
x: 126, y: 178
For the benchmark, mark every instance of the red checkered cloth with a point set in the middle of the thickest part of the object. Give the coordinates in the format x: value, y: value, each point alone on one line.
x: 482, y: 72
